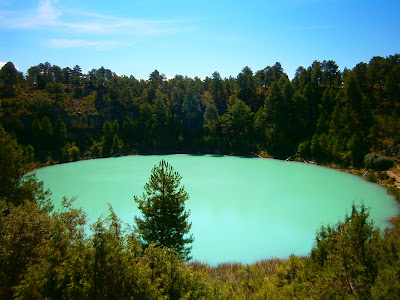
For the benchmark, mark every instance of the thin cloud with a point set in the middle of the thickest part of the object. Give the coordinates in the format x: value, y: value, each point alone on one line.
x: 48, y: 17
x: 65, y: 43
x: 43, y: 16
x: 47, y: 14
x: 121, y: 26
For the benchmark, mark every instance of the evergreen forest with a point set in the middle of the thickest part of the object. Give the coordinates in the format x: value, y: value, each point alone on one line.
x: 322, y: 114
x: 347, y: 119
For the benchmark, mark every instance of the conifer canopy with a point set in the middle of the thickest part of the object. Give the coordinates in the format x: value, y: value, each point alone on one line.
x: 164, y: 219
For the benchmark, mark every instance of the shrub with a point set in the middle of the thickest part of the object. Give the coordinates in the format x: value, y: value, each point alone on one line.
x: 383, y: 163
x: 369, y: 160
x: 378, y: 162
x: 95, y: 150
x: 75, y: 153
x: 303, y: 150
x: 371, y: 177
x: 383, y: 176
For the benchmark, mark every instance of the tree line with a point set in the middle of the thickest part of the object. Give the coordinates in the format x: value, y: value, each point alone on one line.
x: 322, y: 114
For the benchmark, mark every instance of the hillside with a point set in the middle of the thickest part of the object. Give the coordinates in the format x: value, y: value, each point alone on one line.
x: 323, y: 114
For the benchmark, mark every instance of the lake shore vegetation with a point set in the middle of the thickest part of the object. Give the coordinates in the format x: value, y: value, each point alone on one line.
x: 344, y: 119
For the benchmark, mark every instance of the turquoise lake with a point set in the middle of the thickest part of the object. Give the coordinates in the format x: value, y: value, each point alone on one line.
x: 242, y: 209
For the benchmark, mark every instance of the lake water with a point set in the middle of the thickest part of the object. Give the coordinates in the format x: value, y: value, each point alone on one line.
x: 242, y: 209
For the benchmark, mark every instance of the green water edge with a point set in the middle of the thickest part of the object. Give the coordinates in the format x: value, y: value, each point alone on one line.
x: 271, y: 222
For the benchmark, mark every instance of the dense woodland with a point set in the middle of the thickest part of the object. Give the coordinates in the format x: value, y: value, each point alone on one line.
x: 323, y: 114
x: 53, y: 114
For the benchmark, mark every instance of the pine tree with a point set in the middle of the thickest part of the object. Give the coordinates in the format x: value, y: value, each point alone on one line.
x: 117, y: 145
x: 108, y: 137
x: 8, y: 79
x: 164, y: 221
x: 346, y: 257
x: 211, y: 117
x: 60, y: 133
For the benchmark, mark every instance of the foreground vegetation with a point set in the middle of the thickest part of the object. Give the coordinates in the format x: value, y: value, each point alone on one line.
x: 350, y: 259
x: 57, y: 115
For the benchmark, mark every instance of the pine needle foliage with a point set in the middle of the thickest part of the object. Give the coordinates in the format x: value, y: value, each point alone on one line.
x: 164, y: 221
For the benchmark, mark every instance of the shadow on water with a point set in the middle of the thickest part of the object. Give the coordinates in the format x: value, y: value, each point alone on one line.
x: 209, y: 155
x: 217, y: 155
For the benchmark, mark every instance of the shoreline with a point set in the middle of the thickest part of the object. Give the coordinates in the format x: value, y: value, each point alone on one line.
x: 351, y: 171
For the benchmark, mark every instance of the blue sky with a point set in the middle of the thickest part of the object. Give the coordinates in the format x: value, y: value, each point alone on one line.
x: 196, y: 38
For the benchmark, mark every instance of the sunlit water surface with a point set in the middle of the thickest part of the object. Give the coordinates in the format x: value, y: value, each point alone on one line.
x: 242, y: 209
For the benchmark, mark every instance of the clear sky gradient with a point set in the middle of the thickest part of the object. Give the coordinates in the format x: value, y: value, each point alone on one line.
x: 196, y: 38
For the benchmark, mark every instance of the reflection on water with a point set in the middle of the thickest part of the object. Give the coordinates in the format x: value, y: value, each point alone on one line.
x: 242, y: 209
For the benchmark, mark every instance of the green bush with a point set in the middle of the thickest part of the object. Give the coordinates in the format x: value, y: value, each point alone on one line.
x: 383, y: 176
x: 383, y: 163
x: 371, y: 177
x: 303, y: 150
x: 378, y: 162
x: 75, y: 153
x: 369, y: 160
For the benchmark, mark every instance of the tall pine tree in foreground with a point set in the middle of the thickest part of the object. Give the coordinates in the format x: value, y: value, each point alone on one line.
x: 165, y: 220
